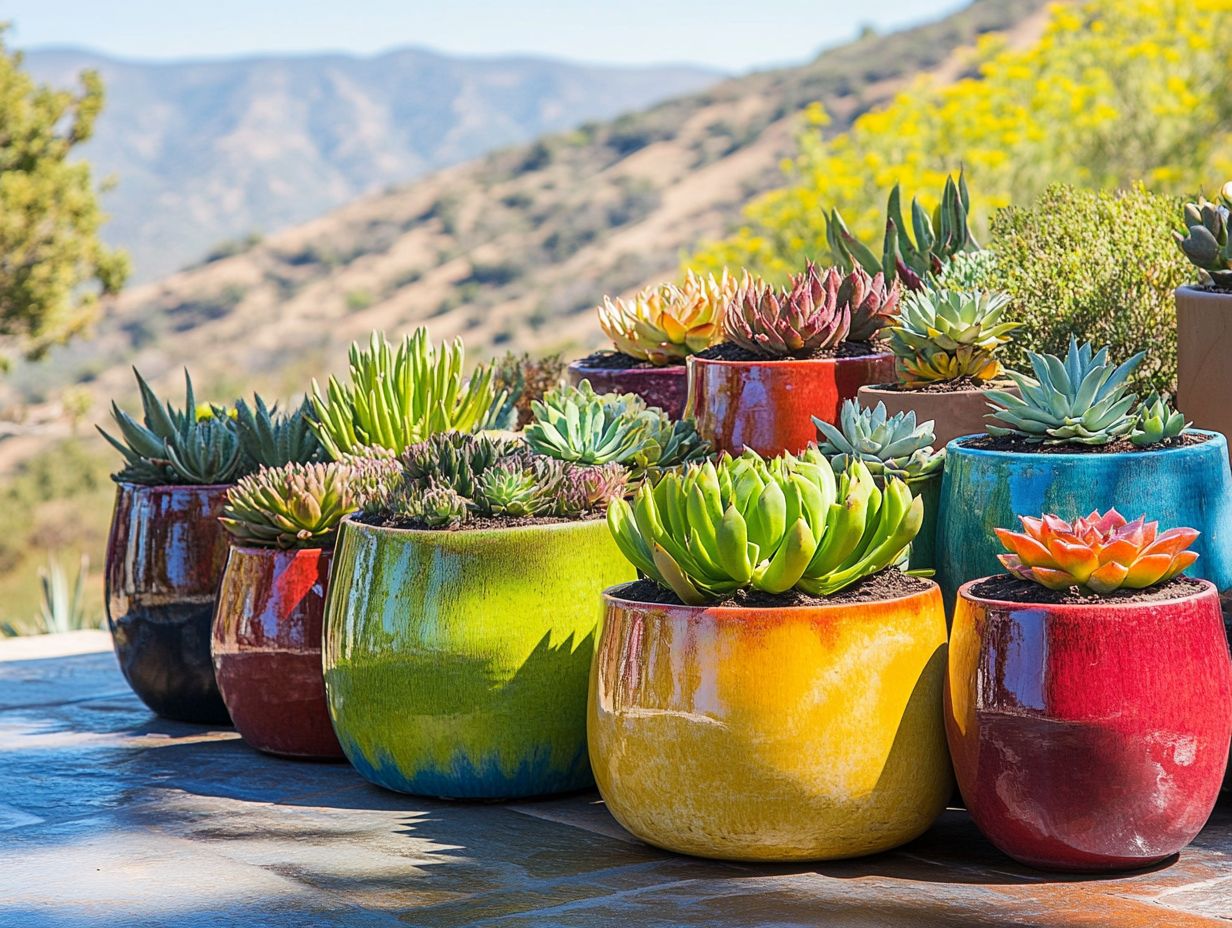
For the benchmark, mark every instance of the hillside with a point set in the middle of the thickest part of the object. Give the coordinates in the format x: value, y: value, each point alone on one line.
x: 208, y: 151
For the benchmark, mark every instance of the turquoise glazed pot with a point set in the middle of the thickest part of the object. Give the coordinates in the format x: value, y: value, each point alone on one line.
x: 456, y: 662
x: 983, y: 490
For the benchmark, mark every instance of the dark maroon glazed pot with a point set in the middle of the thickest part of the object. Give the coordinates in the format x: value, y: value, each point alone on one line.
x: 665, y: 387
x: 267, y: 650
x: 769, y: 405
x: 165, y: 555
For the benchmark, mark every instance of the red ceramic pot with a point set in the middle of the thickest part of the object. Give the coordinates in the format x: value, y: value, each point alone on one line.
x: 1089, y: 737
x: 665, y: 387
x: 165, y: 555
x: 267, y: 650
x: 768, y: 405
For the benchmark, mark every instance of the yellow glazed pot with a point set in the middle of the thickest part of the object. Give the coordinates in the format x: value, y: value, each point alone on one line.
x: 806, y: 733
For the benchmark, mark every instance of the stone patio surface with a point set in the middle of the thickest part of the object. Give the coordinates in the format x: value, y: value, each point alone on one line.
x: 112, y: 817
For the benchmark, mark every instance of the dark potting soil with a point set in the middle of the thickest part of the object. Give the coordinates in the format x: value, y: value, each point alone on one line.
x: 1012, y: 589
x: 473, y: 523
x: 889, y: 584
x: 1022, y: 446
x: 730, y: 351
x: 961, y: 385
x: 615, y: 361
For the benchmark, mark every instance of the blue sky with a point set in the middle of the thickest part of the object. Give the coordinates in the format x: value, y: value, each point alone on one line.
x: 731, y: 34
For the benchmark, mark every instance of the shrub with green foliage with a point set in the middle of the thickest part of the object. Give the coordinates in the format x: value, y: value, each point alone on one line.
x: 1101, y: 266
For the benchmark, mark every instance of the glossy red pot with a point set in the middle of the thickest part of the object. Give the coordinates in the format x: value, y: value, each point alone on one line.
x: 165, y: 555
x: 267, y: 650
x: 768, y: 405
x: 665, y: 387
x: 1089, y: 737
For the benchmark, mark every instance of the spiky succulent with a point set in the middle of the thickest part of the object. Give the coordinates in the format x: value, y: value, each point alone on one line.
x: 1205, y: 240
x: 916, y: 261
x: 1081, y: 400
x: 271, y: 438
x: 444, y: 480
x: 893, y: 446
x: 711, y: 530
x: 1157, y: 421
x: 1100, y: 553
x: 666, y: 324
x: 299, y: 505
x: 396, y: 396
x: 175, y: 446
x: 816, y: 311
x: 943, y: 335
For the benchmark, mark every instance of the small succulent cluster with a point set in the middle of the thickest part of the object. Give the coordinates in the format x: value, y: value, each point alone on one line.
x: 666, y: 324
x: 772, y: 525
x: 814, y: 312
x: 1205, y: 240
x: 176, y: 446
x: 451, y: 476
x: 938, y: 238
x: 525, y: 379
x: 396, y: 396
x: 1081, y: 400
x: 578, y: 425
x: 1099, y: 554
x: 968, y: 270
x: 890, y: 446
x: 944, y: 335
x: 301, y: 505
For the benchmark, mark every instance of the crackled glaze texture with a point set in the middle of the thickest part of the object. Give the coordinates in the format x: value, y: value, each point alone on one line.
x: 456, y: 663
x: 809, y: 733
x: 267, y: 650
x: 665, y: 387
x: 1089, y: 737
x: 768, y: 405
x: 983, y: 490
x: 165, y: 555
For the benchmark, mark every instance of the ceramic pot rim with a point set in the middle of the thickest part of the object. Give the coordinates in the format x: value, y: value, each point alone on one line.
x: 896, y: 390
x: 736, y: 613
x: 1201, y: 293
x: 630, y: 371
x: 789, y: 362
x: 263, y: 550
x: 1214, y: 440
x: 1208, y: 591
x: 168, y: 488
x: 430, y: 534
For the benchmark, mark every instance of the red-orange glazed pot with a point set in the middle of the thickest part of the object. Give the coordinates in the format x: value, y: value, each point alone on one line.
x: 769, y: 405
x: 1089, y: 737
x: 665, y: 387
x: 165, y: 556
x: 267, y: 650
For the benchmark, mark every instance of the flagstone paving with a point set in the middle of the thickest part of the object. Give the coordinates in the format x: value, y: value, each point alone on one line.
x: 112, y: 817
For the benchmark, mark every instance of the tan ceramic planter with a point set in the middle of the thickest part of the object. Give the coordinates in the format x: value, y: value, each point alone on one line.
x: 1204, y: 358
x: 953, y: 414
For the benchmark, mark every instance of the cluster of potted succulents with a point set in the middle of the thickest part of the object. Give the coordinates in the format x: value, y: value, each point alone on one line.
x: 653, y: 333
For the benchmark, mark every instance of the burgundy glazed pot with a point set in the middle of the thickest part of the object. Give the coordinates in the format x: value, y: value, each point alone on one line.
x: 267, y: 649
x: 665, y: 387
x: 768, y: 405
x: 165, y: 555
x: 1089, y: 737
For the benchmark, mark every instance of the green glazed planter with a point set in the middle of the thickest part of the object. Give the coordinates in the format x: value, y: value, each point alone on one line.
x: 457, y: 663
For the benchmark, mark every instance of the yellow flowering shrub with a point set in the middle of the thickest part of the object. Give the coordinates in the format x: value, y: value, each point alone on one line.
x: 1114, y: 91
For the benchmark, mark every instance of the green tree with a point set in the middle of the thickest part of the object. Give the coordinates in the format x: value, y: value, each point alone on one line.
x: 53, y: 267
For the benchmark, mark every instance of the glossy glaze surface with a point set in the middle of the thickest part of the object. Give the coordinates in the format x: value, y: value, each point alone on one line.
x: 768, y: 405
x: 983, y: 490
x: 771, y: 734
x: 924, y: 548
x: 456, y: 663
x: 665, y: 387
x: 165, y: 556
x: 267, y: 650
x: 1089, y: 737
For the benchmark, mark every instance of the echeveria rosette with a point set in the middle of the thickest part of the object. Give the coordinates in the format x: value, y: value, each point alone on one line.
x: 666, y: 324
x: 1206, y: 241
x: 711, y: 530
x: 944, y: 335
x: 893, y: 446
x: 1157, y: 421
x: 1099, y: 554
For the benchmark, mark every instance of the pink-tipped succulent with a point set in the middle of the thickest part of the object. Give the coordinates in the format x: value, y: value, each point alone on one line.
x: 1100, y: 553
x: 816, y: 311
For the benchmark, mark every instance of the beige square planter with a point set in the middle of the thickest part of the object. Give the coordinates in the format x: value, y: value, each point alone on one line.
x: 1204, y: 357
